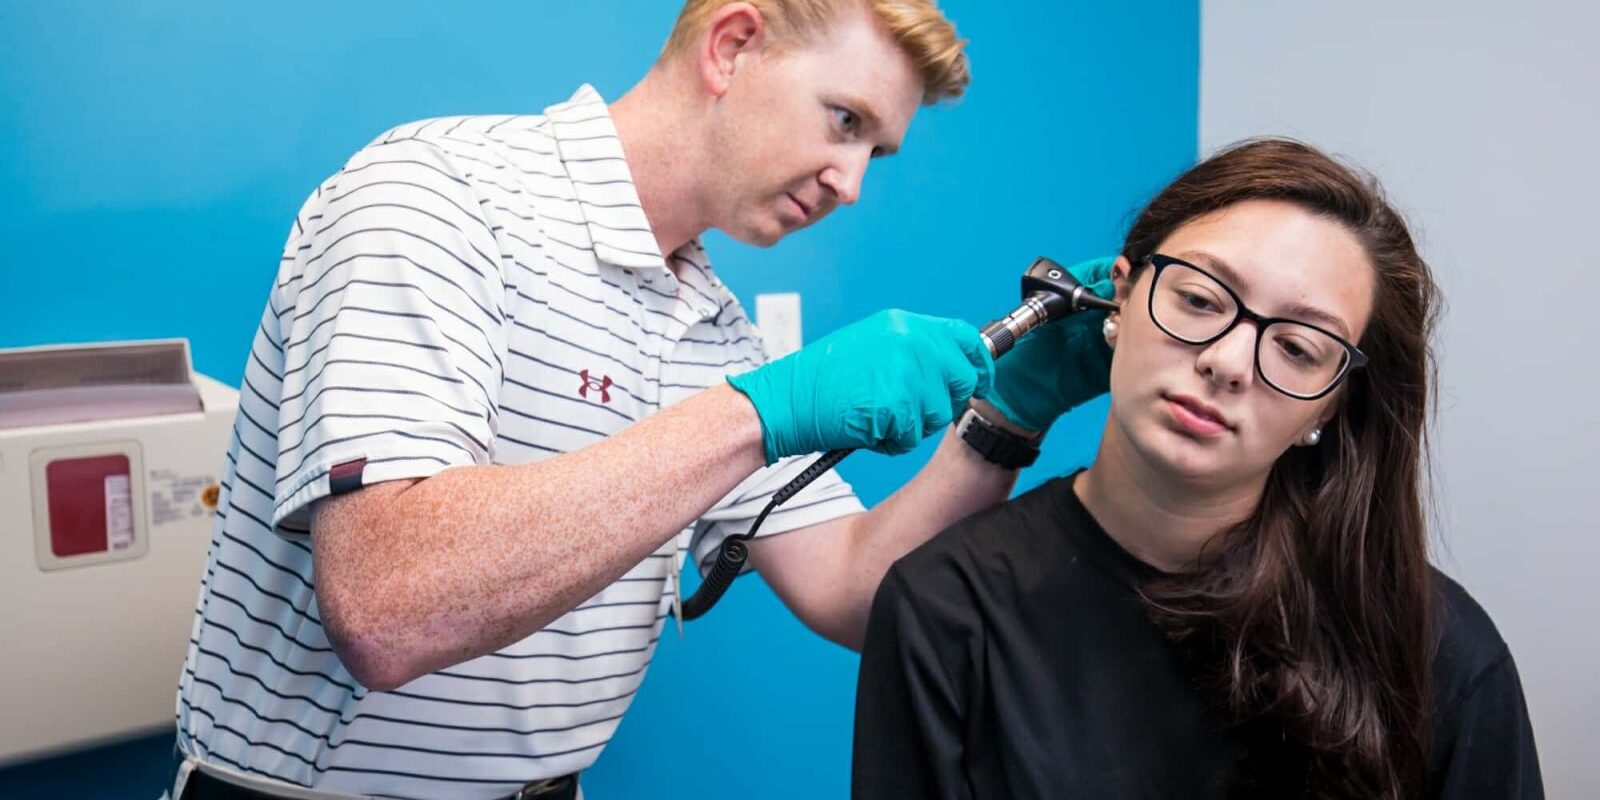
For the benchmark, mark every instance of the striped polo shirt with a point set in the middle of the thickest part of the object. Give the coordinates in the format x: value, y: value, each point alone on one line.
x: 470, y: 290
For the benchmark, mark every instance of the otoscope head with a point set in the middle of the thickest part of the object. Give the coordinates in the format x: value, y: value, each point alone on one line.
x: 1061, y: 293
x: 1048, y: 292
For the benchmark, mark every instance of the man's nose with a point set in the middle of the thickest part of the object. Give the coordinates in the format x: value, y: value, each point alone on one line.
x: 844, y: 181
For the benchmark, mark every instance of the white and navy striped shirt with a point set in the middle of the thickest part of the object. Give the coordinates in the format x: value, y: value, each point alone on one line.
x: 470, y: 290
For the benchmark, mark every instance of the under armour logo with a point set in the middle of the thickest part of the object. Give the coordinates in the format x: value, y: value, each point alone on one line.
x: 603, y: 386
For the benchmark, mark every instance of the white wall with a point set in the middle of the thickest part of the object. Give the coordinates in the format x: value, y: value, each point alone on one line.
x: 1483, y: 121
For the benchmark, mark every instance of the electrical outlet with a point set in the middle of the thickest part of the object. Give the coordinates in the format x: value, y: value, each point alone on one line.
x: 778, y: 318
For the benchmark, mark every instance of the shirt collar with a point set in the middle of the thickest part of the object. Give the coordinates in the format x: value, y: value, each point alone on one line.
x: 588, y: 145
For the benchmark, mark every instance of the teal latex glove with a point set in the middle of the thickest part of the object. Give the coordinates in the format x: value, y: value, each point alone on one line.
x: 1060, y: 364
x: 883, y: 383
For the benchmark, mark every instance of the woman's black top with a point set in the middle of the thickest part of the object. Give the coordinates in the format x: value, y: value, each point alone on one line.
x: 1011, y: 657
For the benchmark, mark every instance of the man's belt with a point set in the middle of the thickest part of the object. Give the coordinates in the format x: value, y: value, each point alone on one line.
x: 205, y: 786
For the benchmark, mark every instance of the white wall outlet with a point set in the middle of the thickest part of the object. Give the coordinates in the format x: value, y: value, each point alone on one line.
x: 778, y: 318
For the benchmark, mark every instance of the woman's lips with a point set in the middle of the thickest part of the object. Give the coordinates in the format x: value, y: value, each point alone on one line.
x: 1197, y: 417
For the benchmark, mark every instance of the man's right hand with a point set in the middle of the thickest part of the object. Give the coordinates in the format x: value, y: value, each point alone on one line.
x: 883, y: 383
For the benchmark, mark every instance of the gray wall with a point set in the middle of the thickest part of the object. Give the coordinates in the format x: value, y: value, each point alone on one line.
x: 1483, y: 120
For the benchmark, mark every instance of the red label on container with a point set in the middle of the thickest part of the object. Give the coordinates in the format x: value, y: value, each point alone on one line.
x: 90, y: 504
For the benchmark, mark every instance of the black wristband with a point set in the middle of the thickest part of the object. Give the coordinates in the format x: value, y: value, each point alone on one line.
x: 997, y: 445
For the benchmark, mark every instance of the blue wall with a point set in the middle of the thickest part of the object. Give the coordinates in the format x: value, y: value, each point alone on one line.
x: 152, y: 157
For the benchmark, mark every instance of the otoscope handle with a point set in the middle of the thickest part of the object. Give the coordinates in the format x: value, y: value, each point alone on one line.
x: 998, y: 338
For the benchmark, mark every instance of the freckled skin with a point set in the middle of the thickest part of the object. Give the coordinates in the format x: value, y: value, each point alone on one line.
x: 441, y: 558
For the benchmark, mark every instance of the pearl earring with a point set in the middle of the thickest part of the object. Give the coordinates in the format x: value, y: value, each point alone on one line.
x: 1314, y: 436
x: 1109, y: 328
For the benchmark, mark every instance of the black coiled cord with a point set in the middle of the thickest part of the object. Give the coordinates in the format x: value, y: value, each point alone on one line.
x: 734, y: 551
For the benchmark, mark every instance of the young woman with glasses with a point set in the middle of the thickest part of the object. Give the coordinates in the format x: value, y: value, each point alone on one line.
x: 1235, y: 600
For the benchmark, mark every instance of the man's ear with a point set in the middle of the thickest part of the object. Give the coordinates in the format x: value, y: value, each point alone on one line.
x: 736, y: 29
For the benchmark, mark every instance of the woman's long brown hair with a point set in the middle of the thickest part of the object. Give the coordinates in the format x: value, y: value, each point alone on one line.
x: 1310, y: 621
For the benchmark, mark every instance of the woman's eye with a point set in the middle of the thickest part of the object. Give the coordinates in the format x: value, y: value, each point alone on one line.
x: 1196, y: 302
x: 845, y: 119
x: 1296, y: 353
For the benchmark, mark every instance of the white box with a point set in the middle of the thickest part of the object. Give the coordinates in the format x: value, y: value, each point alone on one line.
x: 118, y: 439
x: 778, y: 320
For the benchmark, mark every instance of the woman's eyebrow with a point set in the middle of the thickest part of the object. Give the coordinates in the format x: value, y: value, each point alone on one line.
x: 1299, y: 311
x: 1314, y: 314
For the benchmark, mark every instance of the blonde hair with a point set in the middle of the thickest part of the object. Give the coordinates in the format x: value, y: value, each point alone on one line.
x: 917, y: 26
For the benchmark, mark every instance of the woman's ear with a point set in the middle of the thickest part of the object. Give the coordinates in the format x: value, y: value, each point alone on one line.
x: 1122, y: 279
x: 1331, y: 412
x: 1121, y: 273
x: 736, y: 29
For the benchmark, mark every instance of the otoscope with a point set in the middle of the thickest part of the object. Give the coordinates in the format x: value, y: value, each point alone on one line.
x: 1049, y: 292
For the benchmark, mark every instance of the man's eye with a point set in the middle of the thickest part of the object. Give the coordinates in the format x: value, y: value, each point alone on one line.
x: 846, y: 119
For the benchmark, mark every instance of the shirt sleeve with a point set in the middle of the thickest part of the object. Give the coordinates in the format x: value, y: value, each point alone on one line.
x: 1486, y: 745
x: 910, y: 702
x: 390, y: 313
x: 826, y: 498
